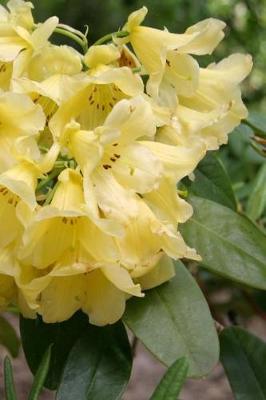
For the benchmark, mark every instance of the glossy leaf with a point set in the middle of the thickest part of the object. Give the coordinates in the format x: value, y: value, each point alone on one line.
x: 10, y: 390
x: 213, y: 183
x: 172, y: 382
x: 243, y: 356
x: 239, y: 144
x: 229, y: 243
x: 8, y: 337
x: 98, y: 366
x: 257, y: 199
x: 174, y: 321
x: 37, y: 337
x: 41, y: 375
x: 257, y: 121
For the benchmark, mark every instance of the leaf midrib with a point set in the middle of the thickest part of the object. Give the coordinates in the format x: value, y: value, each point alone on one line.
x: 227, y: 242
x: 172, y: 317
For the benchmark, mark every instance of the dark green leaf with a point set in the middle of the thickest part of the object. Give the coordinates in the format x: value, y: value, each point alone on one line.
x: 243, y: 356
x: 172, y: 382
x: 41, y: 375
x: 239, y: 144
x: 37, y: 337
x: 9, y: 380
x: 213, y: 183
x: 8, y: 337
x: 174, y: 321
x: 98, y: 366
x: 230, y: 244
x: 257, y: 121
x: 257, y: 199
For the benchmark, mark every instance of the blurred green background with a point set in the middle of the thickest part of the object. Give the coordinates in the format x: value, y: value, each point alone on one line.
x: 246, y: 26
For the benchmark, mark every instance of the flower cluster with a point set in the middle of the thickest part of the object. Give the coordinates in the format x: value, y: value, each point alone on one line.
x: 91, y: 150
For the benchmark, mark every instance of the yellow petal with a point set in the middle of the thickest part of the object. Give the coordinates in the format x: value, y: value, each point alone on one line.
x: 54, y: 60
x: 178, y: 161
x: 102, y: 54
x: 167, y: 205
x: 62, y: 298
x: 104, y: 303
x: 120, y: 277
x: 115, y: 201
x: 160, y: 273
x: 138, y: 168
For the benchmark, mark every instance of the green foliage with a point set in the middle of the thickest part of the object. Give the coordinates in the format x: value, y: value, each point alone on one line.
x: 228, y: 243
x: 212, y: 182
x: 98, y: 366
x: 37, y: 336
x: 172, y: 382
x: 174, y: 321
x: 10, y: 391
x: 8, y: 337
x: 257, y: 121
x: 41, y: 375
x: 257, y: 199
x: 243, y: 356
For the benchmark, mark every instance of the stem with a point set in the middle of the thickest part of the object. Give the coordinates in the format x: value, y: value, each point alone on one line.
x: 82, y: 42
x: 51, y: 194
x: 52, y: 175
x: 109, y: 37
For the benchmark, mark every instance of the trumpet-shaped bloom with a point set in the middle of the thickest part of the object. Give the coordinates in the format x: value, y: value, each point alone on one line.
x: 17, y: 185
x: 64, y: 226
x: 92, y: 148
x: 157, y: 49
x: 216, y: 105
x: 19, y: 116
x: 92, y: 103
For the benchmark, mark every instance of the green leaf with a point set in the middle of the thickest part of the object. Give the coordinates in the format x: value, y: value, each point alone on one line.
x: 229, y: 244
x: 98, y: 366
x: 10, y: 391
x: 37, y: 337
x: 41, y: 375
x: 257, y: 121
x: 213, y: 183
x: 174, y: 321
x: 243, y: 356
x: 8, y: 337
x: 239, y: 144
x: 257, y: 199
x: 172, y: 382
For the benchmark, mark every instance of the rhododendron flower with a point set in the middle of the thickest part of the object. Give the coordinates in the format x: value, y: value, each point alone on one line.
x: 93, y: 147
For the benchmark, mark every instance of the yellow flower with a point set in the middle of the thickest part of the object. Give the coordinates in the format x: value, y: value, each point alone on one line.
x: 64, y: 227
x: 90, y: 155
x: 5, y: 75
x: 110, y: 55
x: 17, y: 33
x: 160, y: 273
x: 101, y: 55
x: 160, y: 51
x: 19, y: 117
x: 50, y: 75
x: 215, y: 108
x: 33, y: 43
x: 17, y: 185
x: 20, y: 14
x: 8, y: 270
x: 100, y: 292
x: 114, y: 163
x: 91, y: 104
